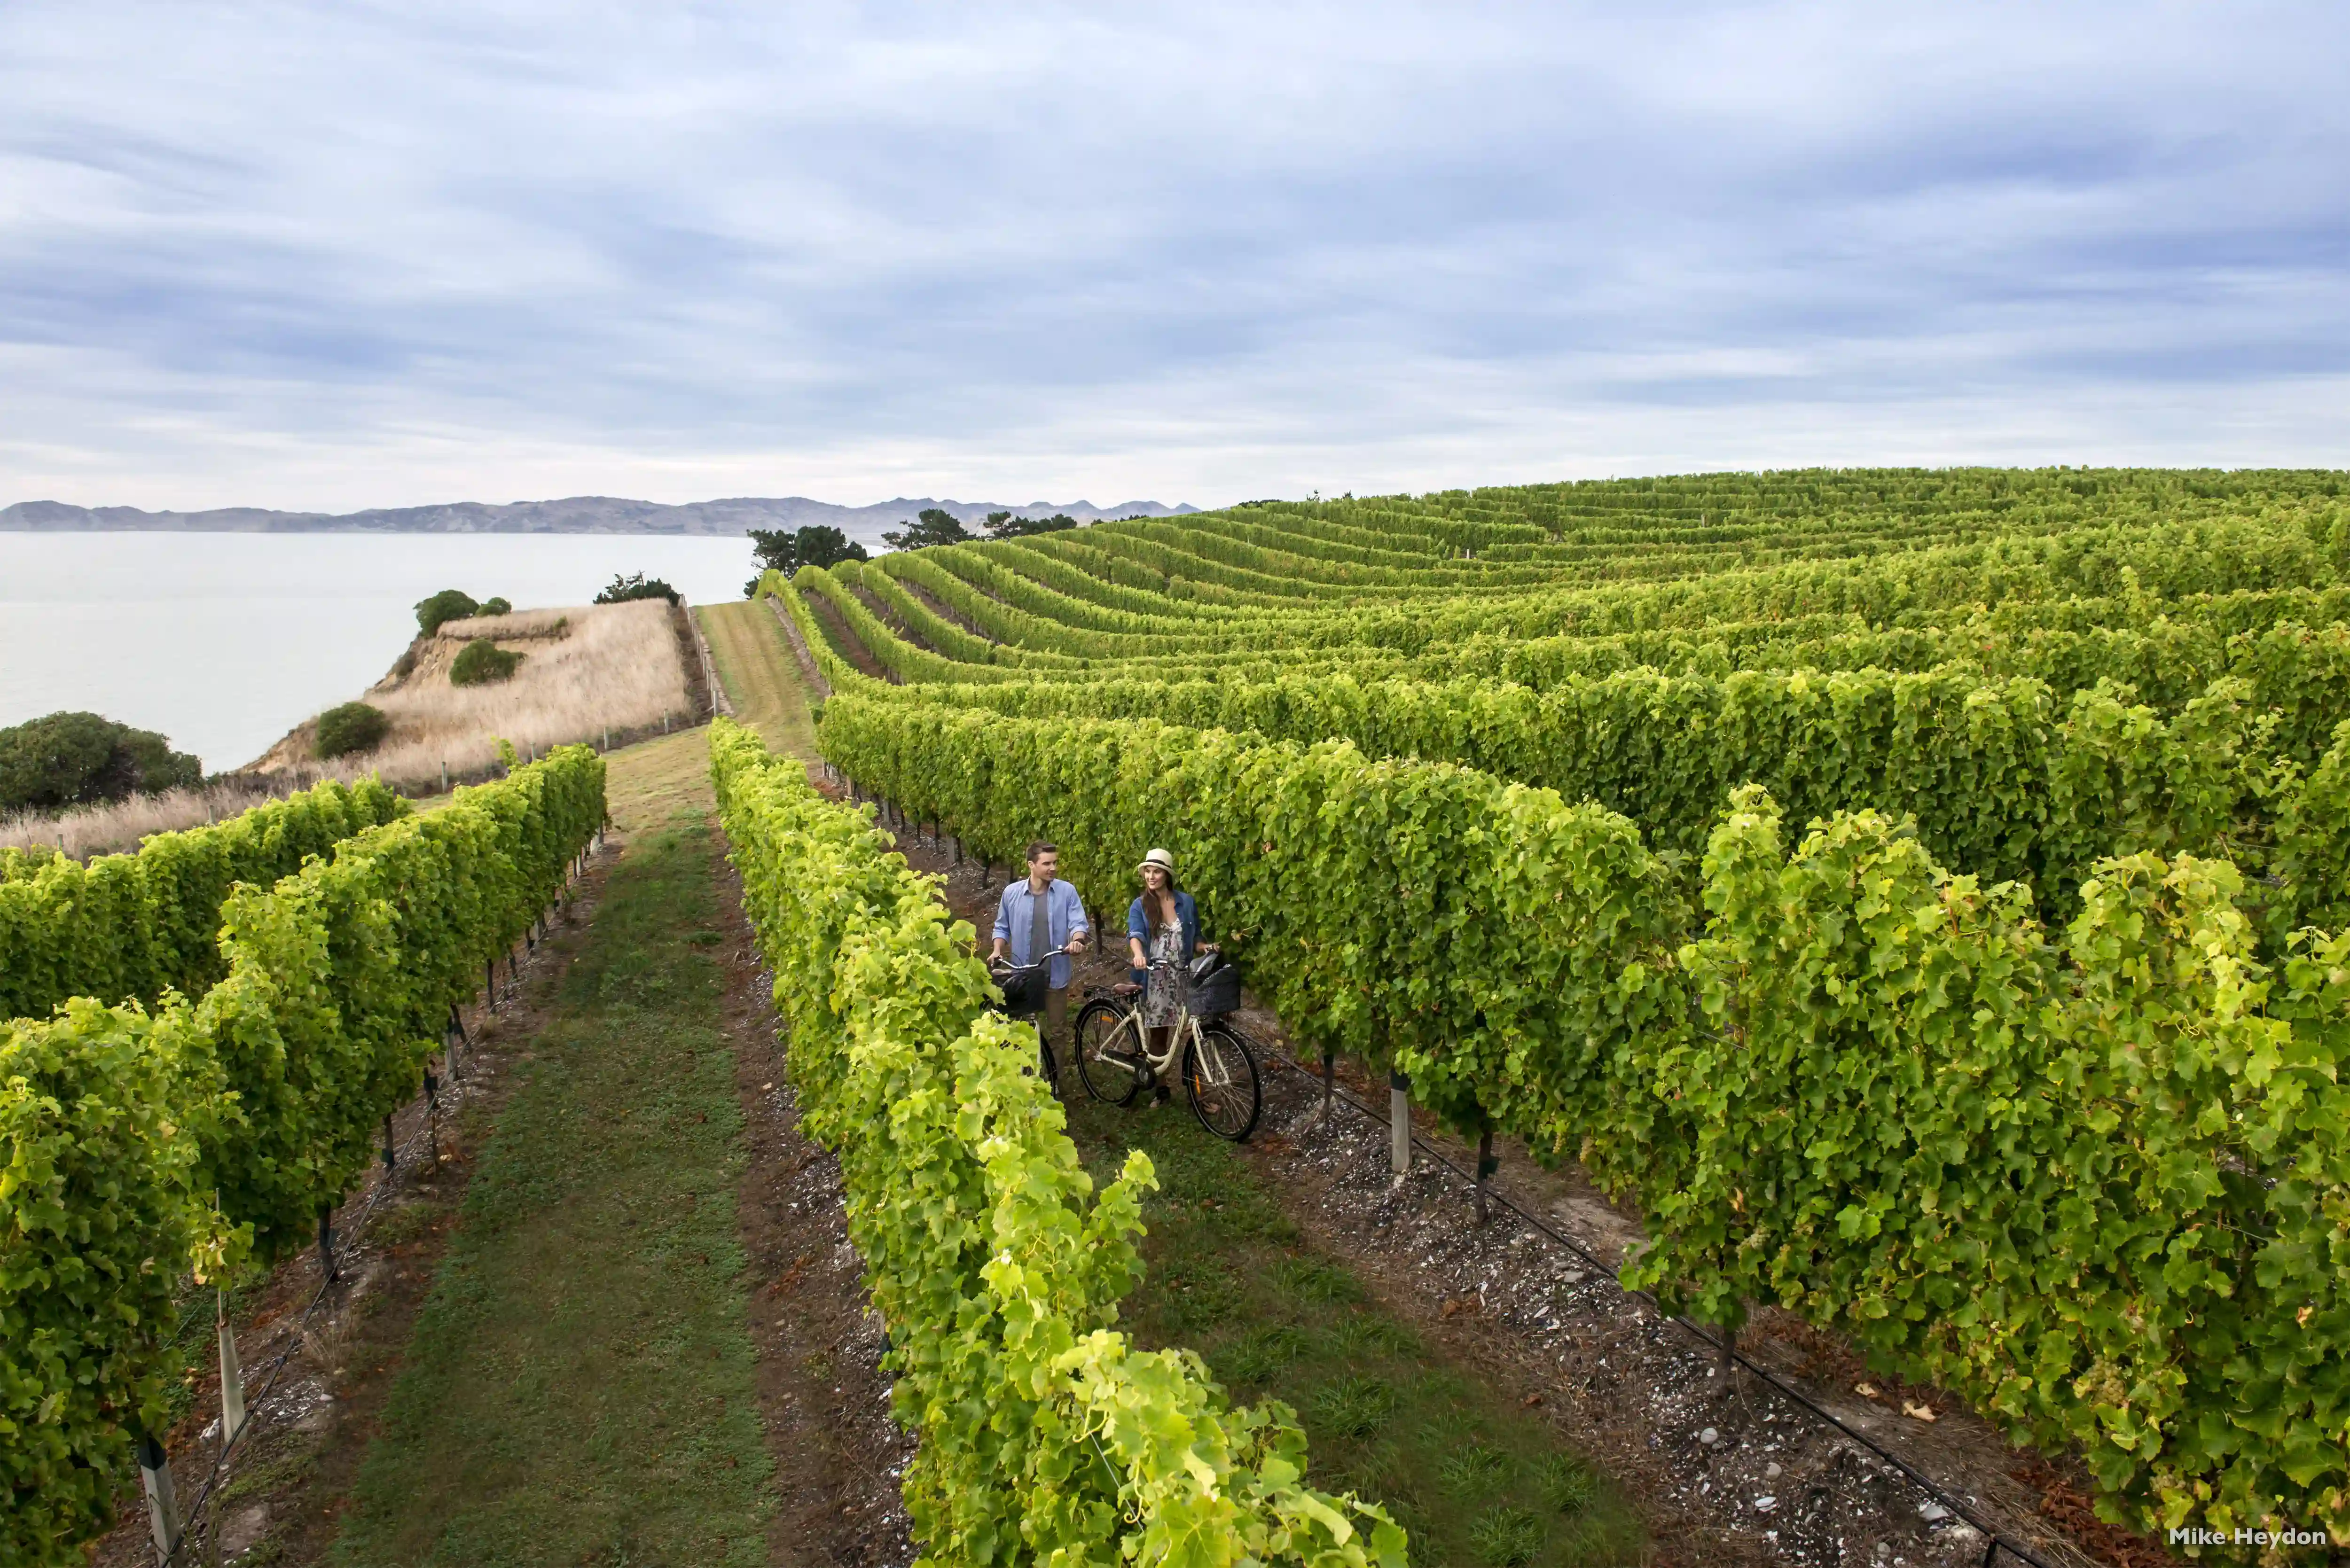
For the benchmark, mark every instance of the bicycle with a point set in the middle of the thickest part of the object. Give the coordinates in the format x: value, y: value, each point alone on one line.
x: 1003, y: 975
x: 1115, y: 1062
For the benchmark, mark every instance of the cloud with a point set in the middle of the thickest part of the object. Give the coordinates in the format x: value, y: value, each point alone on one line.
x: 352, y: 255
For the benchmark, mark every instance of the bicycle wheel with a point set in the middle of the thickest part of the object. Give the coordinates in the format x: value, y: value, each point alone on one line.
x: 1109, y: 1052
x: 1045, y: 1065
x: 1220, y: 1077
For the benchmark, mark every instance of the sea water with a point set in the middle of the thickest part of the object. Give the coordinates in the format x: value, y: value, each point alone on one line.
x: 225, y: 641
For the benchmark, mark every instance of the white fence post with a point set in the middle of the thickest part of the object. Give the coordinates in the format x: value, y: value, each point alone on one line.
x: 162, y: 1508
x: 231, y: 1379
x: 1399, y: 1122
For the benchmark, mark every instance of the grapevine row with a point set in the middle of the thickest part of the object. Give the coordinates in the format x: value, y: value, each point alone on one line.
x: 2090, y: 1176
x: 1046, y: 1436
x: 209, y: 1134
x: 126, y: 926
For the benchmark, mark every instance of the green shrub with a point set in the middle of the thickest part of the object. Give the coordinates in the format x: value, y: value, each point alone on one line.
x: 482, y: 663
x: 637, y: 585
x: 353, y: 727
x: 81, y: 759
x: 496, y: 606
x: 449, y: 603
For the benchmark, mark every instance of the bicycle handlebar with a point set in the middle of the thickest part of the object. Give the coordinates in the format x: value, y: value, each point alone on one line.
x: 994, y: 966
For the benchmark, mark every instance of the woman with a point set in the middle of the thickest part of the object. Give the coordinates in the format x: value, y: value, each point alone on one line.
x: 1162, y: 932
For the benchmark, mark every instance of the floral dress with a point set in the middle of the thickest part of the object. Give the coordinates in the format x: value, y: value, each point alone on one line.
x: 1169, y: 991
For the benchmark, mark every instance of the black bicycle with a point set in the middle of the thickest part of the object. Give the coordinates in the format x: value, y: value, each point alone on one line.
x: 1023, y: 1001
x: 1218, y: 1068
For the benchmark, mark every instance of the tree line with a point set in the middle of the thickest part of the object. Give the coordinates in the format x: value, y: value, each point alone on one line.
x: 787, y: 550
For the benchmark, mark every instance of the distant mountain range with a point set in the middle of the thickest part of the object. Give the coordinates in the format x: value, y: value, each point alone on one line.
x: 575, y: 515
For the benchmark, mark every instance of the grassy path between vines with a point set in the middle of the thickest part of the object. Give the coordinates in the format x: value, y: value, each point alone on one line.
x: 757, y: 670
x: 1473, y: 1472
x: 580, y: 1383
x: 1468, y: 1470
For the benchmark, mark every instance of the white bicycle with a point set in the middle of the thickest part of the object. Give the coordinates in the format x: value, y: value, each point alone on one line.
x: 1219, y: 1069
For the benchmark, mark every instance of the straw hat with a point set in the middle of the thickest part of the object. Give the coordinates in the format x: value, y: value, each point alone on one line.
x: 1160, y: 859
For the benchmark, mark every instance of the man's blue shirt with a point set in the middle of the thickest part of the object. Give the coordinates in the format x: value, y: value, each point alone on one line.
x: 1065, y: 914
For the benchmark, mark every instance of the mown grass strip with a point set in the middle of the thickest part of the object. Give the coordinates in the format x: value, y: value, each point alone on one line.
x: 580, y: 1387
x: 761, y: 675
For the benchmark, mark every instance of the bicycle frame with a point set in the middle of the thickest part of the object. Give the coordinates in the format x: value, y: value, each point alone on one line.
x: 1185, y: 1031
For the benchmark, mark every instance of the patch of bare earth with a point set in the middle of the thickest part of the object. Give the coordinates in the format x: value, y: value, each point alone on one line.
x: 700, y: 700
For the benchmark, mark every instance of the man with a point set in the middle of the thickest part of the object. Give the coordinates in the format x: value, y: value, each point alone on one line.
x: 1042, y: 915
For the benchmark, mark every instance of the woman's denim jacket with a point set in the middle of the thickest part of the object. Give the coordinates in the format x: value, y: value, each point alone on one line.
x: 1138, y: 926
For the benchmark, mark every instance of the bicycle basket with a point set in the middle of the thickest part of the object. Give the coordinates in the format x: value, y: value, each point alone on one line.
x: 1216, y: 984
x: 1023, y: 994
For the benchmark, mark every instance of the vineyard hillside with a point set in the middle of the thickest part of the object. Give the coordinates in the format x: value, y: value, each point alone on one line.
x: 1925, y: 895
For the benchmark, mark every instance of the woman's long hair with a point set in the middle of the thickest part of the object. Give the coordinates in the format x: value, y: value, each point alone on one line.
x: 1155, y: 906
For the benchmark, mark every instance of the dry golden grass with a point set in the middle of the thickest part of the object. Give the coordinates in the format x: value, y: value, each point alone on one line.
x: 584, y: 671
x: 104, y: 829
x: 520, y: 624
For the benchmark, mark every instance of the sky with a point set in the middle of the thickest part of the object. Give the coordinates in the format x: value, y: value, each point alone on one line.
x: 349, y: 255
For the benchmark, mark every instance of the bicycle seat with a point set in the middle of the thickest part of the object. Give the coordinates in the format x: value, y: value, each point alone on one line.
x: 1125, y: 988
